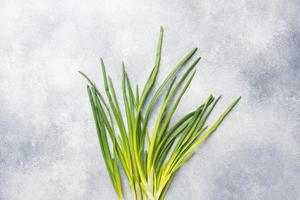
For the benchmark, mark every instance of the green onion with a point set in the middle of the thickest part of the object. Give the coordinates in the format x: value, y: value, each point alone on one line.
x: 149, y: 158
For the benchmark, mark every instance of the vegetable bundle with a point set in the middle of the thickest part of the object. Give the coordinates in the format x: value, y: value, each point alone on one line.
x: 149, y: 158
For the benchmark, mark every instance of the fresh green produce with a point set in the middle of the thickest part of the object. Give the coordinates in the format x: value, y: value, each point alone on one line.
x: 149, y: 158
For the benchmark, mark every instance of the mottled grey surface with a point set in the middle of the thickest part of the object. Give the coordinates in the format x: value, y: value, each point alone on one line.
x: 48, y: 144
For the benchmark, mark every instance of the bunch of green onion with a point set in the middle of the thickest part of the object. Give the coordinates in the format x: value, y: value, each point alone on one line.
x: 149, y: 158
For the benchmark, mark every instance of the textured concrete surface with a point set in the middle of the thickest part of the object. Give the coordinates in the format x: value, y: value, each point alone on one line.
x: 48, y: 143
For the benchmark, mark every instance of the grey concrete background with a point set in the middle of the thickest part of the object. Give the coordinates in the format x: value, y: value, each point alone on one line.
x: 48, y: 143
